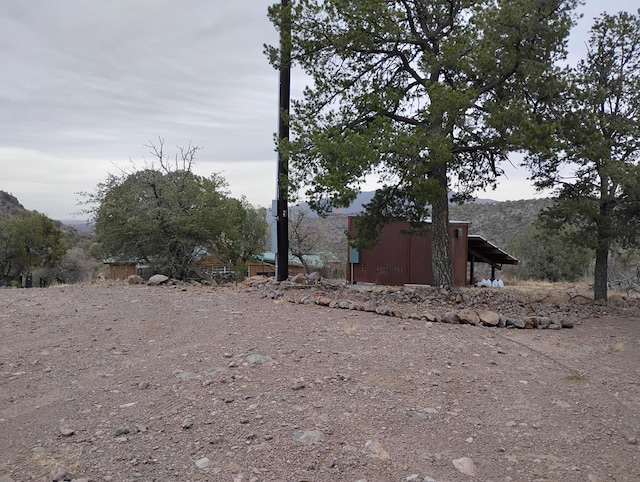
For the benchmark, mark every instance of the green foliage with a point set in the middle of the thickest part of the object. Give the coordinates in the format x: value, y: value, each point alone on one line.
x: 170, y: 218
x: 27, y: 242
x: 423, y: 94
x: 10, y: 207
x: 244, y: 235
x: 74, y: 267
x: 592, y: 157
x: 548, y: 254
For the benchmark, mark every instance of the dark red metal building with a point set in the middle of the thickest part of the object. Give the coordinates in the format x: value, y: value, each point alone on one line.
x: 402, y: 258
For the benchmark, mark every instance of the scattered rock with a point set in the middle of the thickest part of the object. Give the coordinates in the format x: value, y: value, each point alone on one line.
x: 257, y: 359
x: 566, y: 323
x: 376, y: 449
x: 122, y: 430
x: 515, y: 323
x: 134, y: 279
x: 308, y: 437
x: 616, y: 301
x: 544, y: 322
x: 59, y: 474
x: 187, y: 423
x: 450, y: 317
x: 66, y: 431
x: 203, y: 463
x: 186, y: 376
x: 465, y: 465
x: 299, y: 279
x: 298, y: 385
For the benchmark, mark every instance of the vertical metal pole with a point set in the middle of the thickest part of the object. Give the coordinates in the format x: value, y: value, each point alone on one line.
x: 282, y: 217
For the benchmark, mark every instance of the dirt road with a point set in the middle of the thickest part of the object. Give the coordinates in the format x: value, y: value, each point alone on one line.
x: 139, y: 383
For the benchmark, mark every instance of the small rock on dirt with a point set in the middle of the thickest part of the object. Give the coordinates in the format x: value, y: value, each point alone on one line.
x: 465, y: 465
x: 308, y: 437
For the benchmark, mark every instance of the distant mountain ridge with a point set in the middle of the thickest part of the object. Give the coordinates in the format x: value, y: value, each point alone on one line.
x: 10, y: 207
x: 82, y: 225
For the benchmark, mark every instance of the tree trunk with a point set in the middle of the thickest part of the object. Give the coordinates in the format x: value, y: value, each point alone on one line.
x: 601, y: 272
x: 441, y: 252
x: 605, y: 234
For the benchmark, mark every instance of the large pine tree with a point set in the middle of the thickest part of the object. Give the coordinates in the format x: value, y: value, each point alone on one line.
x: 427, y: 94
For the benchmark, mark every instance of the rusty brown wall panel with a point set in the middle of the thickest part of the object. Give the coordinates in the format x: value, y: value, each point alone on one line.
x: 459, y: 247
x: 399, y: 258
x: 420, y: 259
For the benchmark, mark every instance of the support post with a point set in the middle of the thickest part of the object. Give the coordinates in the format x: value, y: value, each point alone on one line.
x: 472, y: 270
x: 282, y: 216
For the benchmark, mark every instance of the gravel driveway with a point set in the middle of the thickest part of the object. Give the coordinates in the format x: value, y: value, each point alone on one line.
x: 182, y: 383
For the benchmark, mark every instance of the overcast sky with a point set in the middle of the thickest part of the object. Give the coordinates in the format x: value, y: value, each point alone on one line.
x: 84, y: 84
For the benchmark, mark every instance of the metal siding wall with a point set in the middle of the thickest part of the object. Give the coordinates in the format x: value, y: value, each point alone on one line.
x: 387, y: 262
x: 459, y: 247
x: 420, y: 260
x: 398, y: 258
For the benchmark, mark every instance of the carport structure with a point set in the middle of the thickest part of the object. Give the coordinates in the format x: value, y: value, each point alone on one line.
x: 481, y: 250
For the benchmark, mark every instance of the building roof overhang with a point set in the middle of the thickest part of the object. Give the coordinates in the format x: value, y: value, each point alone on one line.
x: 481, y: 250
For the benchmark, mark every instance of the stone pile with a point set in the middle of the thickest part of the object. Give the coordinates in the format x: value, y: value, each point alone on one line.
x: 470, y: 306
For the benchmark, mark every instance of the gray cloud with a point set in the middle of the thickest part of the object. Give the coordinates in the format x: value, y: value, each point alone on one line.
x: 103, y: 77
x: 85, y: 83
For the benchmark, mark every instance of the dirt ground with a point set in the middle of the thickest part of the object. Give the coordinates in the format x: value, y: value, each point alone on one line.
x: 173, y: 383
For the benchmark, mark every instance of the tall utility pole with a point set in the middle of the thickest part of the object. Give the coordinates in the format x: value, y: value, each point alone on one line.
x: 282, y: 217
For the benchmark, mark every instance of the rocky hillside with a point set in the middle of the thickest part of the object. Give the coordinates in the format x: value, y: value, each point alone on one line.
x: 9, y: 206
x: 498, y: 222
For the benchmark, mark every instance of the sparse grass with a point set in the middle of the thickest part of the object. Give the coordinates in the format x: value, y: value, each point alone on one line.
x: 576, y: 377
x: 350, y: 328
x: 619, y: 346
x: 68, y: 459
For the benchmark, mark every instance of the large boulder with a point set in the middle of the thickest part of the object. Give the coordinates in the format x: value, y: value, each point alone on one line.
x: 157, y: 279
x: 468, y: 317
x: 489, y: 318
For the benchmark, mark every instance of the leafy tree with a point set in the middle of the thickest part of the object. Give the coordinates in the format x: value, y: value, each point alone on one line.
x: 303, y: 237
x: 29, y: 241
x: 593, y: 160
x: 74, y: 267
x: 547, y: 254
x: 425, y: 94
x: 243, y: 237
x: 167, y: 216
